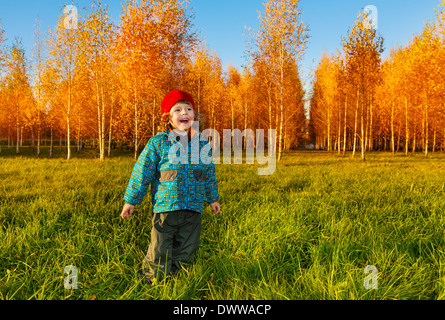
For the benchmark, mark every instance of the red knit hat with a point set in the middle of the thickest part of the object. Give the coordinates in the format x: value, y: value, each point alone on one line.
x: 174, y: 96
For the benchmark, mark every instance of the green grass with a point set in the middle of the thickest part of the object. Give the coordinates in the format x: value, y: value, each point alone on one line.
x: 306, y: 232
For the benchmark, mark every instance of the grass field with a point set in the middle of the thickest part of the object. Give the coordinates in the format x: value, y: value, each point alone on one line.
x: 306, y: 232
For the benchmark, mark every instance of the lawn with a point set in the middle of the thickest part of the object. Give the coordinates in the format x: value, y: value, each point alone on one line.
x: 306, y: 232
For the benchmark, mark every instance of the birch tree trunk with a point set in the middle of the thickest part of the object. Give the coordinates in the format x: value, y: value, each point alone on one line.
x: 371, y: 142
x: 102, y: 137
x: 78, y: 135
x: 269, y: 96
x: 51, y: 143
x: 245, y: 123
x: 17, y: 150
x: 9, y: 131
x: 280, y: 139
x: 68, y: 131
x: 426, y: 124
x: 39, y: 130
x: 232, y: 114
x: 329, y: 127
x: 99, y: 125
x: 339, y: 131
x: 135, y: 124
x: 153, y: 112
x: 363, y: 127
x: 111, y: 124
x: 392, y: 128
x: 406, y: 127
x: 344, y: 132
x: 355, y: 125
x: 434, y: 137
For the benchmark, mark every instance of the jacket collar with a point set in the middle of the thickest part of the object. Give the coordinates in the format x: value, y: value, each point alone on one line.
x: 165, y: 132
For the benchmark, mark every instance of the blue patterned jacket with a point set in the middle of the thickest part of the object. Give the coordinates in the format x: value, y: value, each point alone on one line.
x: 173, y: 186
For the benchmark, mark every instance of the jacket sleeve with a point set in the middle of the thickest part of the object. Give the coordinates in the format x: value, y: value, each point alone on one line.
x: 211, y: 185
x: 143, y: 172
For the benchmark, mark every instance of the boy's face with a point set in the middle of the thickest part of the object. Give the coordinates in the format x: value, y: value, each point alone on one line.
x: 182, y: 116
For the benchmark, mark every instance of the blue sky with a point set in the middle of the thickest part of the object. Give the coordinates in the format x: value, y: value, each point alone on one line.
x: 221, y: 22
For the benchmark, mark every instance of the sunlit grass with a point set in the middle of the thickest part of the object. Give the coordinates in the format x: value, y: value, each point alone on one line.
x: 306, y: 232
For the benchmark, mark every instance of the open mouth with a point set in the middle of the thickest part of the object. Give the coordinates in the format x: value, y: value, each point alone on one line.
x: 185, y: 121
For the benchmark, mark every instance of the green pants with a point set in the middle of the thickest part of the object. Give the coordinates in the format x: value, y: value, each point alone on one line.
x: 174, y: 242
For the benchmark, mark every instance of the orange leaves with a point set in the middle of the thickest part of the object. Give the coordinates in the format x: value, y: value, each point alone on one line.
x: 391, y: 105
x: 281, y: 40
x: 105, y: 82
x: 152, y: 44
x: 203, y: 78
x: 282, y: 29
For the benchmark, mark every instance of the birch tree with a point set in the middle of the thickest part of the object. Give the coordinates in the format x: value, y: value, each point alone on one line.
x: 362, y: 48
x: 39, y: 61
x: 95, y: 38
x: 62, y: 47
x: 3, y: 97
x: 153, y: 40
x: 18, y: 85
x: 282, y: 36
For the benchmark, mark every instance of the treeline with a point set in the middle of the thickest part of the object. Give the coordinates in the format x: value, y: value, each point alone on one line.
x: 362, y: 103
x: 103, y: 83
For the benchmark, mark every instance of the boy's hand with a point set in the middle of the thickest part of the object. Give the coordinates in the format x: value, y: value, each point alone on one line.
x: 216, y: 207
x: 127, y: 211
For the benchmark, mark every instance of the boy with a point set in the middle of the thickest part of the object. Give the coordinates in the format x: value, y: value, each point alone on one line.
x: 178, y: 190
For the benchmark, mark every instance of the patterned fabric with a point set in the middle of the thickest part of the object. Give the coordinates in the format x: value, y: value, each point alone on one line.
x: 174, y: 186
